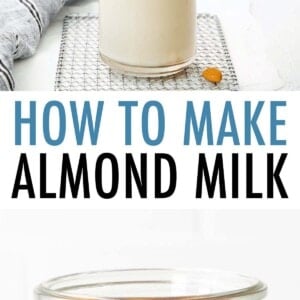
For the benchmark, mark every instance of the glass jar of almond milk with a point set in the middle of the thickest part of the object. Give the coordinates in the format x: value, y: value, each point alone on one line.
x: 147, y: 38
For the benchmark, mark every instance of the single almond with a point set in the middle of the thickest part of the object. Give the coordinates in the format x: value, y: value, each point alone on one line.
x: 213, y: 75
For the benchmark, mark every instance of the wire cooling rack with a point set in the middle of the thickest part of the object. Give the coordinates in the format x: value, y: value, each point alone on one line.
x: 81, y: 69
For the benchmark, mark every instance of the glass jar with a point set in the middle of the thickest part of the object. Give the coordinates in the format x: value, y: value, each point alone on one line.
x: 152, y: 284
x: 147, y: 38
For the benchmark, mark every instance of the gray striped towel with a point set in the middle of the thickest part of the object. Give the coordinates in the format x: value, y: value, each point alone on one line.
x: 22, y: 23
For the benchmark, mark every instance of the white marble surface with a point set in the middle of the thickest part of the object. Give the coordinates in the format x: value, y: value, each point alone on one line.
x: 262, y: 37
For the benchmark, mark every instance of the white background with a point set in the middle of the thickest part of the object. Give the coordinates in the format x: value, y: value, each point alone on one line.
x: 36, y: 245
x: 111, y: 139
x: 279, y: 24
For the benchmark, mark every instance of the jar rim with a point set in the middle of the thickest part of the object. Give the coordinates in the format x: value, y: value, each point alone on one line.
x: 56, y: 287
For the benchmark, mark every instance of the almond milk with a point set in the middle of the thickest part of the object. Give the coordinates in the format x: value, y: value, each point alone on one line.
x: 148, y: 37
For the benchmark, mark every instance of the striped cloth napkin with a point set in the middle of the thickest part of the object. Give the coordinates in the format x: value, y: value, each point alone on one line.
x: 22, y: 23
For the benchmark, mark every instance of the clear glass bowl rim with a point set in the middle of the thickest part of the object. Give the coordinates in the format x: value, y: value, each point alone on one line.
x: 259, y: 288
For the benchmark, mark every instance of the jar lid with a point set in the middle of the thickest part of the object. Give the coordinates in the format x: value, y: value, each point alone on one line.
x: 153, y: 284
